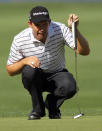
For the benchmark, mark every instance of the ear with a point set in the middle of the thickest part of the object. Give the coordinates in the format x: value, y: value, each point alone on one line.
x: 29, y: 24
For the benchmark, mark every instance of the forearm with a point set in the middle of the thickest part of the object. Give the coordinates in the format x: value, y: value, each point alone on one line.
x: 82, y: 44
x: 15, y: 68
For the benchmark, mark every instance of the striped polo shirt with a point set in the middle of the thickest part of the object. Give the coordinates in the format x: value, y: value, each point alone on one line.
x: 51, y: 53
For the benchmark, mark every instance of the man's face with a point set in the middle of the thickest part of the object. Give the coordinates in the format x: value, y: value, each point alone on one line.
x: 40, y: 30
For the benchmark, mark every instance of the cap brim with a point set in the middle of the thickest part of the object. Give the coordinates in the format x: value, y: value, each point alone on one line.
x: 37, y: 20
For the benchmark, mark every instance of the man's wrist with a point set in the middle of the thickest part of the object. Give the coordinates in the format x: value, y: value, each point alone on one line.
x: 70, y: 28
x: 23, y: 62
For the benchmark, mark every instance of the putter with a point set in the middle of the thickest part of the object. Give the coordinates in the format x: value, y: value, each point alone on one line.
x: 75, y: 42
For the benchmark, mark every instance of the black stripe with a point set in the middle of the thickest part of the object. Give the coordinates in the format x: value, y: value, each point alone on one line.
x: 11, y: 61
x: 27, y: 55
x: 54, y: 47
x: 24, y: 44
x: 14, y: 45
x: 53, y: 52
x: 20, y: 37
x: 52, y: 56
x: 55, y: 43
x: 52, y: 66
x: 23, y: 40
x: 28, y: 48
x: 65, y: 30
x: 13, y: 48
x: 13, y: 58
x: 57, y: 30
x: 55, y: 57
x: 47, y: 63
x: 21, y: 33
x: 31, y: 49
x: 55, y: 40
x: 57, y: 34
x: 57, y: 26
x: 14, y: 53
x: 67, y: 37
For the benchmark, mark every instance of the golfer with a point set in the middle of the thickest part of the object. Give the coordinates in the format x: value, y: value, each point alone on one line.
x: 38, y: 54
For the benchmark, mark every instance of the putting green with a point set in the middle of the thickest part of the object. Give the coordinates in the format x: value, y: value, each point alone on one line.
x: 85, y: 123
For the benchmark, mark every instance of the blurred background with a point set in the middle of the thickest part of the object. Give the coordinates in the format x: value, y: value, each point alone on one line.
x: 50, y: 0
x: 14, y: 99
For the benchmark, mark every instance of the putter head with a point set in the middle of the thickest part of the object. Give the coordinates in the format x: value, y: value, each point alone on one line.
x: 77, y: 116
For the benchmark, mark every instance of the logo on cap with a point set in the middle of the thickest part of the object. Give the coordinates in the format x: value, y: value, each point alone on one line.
x: 40, y: 13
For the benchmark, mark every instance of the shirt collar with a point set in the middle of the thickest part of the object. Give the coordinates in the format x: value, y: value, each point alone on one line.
x: 50, y: 33
x: 32, y: 36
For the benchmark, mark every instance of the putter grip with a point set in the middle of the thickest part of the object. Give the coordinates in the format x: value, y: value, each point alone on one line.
x: 74, y: 34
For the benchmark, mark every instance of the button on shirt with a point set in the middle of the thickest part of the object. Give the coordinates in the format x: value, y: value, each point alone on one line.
x: 50, y: 53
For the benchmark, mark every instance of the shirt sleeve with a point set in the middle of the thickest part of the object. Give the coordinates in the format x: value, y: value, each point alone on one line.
x: 68, y: 37
x: 15, y: 55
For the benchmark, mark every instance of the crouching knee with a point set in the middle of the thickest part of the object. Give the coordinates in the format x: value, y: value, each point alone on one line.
x: 28, y: 74
x: 70, y: 89
x: 67, y: 89
x: 71, y: 92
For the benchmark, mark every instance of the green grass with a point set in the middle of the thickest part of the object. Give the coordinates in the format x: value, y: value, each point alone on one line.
x: 66, y: 123
x: 15, y: 103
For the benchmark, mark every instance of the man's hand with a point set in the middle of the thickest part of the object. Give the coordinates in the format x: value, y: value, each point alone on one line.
x: 73, y: 18
x: 33, y: 61
x: 16, y: 68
